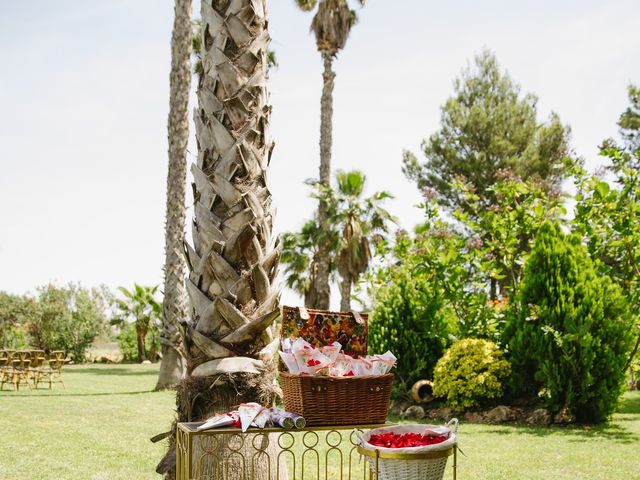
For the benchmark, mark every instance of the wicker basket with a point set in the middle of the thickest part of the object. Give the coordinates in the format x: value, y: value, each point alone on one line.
x: 324, y: 400
x: 417, y: 463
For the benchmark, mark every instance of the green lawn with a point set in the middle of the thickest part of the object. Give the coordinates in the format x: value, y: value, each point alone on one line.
x: 99, y: 428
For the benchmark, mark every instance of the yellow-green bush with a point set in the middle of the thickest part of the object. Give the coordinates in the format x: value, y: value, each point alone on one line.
x: 469, y: 372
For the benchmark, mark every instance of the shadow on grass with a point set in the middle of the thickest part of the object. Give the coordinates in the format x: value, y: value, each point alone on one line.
x: 580, y: 433
x: 48, y: 394
x: 118, y: 371
x: 630, y: 405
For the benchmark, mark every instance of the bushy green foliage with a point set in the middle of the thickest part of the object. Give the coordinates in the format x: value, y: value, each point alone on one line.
x: 410, y: 320
x: 16, y: 312
x: 70, y: 318
x: 572, y: 331
x: 470, y: 372
x: 128, y: 343
x: 58, y: 318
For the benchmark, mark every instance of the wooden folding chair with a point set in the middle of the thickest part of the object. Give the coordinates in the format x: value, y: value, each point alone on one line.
x: 57, y: 359
x: 37, y: 368
x: 20, y: 363
x: 5, y: 368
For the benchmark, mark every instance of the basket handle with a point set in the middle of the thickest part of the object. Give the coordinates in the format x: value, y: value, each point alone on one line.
x: 357, y: 317
x: 455, y: 422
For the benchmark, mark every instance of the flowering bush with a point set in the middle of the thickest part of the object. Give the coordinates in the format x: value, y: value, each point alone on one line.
x: 469, y: 372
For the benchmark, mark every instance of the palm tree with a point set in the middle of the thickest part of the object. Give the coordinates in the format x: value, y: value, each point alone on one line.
x: 331, y: 25
x: 139, y: 306
x: 174, y: 303
x: 229, y: 340
x: 362, y: 222
x: 355, y: 222
x: 298, y: 251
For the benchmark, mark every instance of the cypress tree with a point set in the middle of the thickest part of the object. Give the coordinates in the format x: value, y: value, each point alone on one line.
x: 571, y: 335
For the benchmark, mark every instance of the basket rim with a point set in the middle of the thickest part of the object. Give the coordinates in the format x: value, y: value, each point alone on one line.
x: 407, y: 456
x: 329, y: 377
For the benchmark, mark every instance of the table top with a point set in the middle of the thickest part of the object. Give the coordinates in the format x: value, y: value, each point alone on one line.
x: 191, y: 428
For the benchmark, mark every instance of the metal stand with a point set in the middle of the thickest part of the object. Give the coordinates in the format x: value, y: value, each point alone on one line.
x: 227, y: 453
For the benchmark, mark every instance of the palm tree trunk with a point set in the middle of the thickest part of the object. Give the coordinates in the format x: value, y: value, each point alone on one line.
x: 322, y: 290
x: 345, y: 294
x: 229, y: 339
x: 142, y: 356
x: 174, y: 303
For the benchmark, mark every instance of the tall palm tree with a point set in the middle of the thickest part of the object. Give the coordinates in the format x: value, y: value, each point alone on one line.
x: 229, y: 339
x: 174, y: 304
x: 363, y: 222
x: 355, y: 222
x: 331, y: 25
x: 360, y: 221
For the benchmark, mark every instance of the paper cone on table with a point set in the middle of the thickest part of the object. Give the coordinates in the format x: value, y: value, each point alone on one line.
x: 248, y: 412
x: 219, y: 421
x: 262, y: 418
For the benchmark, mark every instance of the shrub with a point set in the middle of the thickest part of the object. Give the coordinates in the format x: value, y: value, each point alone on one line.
x: 470, y: 372
x: 409, y: 319
x: 572, y: 332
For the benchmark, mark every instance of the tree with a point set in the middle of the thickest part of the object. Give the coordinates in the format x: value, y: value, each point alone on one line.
x: 17, y: 312
x: 139, y: 307
x: 331, y: 25
x: 608, y: 216
x: 572, y: 333
x: 359, y: 223
x: 233, y: 263
x: 355, y: 222
x: 298, y: 251
x: 66, y: 318
x: 174, y: 301
x: 629, y: 121
x: 487, y: 126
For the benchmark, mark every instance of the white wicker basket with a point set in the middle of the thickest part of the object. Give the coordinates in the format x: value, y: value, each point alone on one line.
x: 415, y: 463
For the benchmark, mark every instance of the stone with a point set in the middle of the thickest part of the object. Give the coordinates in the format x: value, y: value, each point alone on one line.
x: 500, y: 414
x: 146, y: 362
x: 398, y: 406
x: 539, y: 416
x: 563, y: 416
x: 473, y: 417
x: 414, y: 412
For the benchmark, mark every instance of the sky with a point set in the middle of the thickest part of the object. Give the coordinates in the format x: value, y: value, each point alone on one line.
x: 84, y: 92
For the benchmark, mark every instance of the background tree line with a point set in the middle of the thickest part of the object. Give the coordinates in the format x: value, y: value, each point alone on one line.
x: 72, y: 317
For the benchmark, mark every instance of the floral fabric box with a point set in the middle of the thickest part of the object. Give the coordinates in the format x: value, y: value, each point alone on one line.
x: 321, y: 327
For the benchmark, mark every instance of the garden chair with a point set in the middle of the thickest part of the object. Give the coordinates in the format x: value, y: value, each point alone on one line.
x: 5, y: 368
x: 37, y: 369
x: 54, y: 370
x: 20, y: 363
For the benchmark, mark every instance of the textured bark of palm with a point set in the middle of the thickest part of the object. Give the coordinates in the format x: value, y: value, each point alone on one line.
x: 234, y: 258
x: 174, y: 304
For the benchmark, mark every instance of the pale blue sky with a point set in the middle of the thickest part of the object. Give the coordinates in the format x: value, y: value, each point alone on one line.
x: 84, y: 99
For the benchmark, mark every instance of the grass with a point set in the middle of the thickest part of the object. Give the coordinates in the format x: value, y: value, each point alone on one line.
x: 99, y: 428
